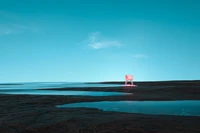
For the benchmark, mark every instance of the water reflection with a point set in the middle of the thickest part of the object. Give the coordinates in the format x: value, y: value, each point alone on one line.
x: 183, y: 108
x: 43, y: 85
x: 54, y: 92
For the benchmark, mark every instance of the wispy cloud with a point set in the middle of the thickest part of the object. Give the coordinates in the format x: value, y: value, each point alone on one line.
x: 12, y: 24
x: 7, y: 29
x: 8, y: 15
x: 96, y: 41
x: 139, y: 56
x: 104, y: 44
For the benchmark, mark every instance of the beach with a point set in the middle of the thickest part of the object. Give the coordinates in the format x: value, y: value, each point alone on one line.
x: 38, y: 113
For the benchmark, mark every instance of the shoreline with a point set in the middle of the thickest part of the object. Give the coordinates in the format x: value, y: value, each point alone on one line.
x: 38, y: 114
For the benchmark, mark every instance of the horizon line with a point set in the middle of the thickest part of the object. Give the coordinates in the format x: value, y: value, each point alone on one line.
x: 94, y: 81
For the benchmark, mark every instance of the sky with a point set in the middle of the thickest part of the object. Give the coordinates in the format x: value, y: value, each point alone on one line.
x: 99, y: 40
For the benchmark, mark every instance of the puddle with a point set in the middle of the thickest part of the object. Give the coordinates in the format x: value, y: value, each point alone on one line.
x: 181, y: 108
x: 67, y: 93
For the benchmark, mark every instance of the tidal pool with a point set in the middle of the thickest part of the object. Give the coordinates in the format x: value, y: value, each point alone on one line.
x: 54, y: 92
x: 46, y: 85
x: 180, y: 108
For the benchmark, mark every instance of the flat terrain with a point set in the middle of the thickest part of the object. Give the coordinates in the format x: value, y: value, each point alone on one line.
x: 37, y: 114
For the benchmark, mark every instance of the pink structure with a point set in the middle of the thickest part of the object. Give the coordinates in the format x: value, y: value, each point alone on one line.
x: 129, y: 78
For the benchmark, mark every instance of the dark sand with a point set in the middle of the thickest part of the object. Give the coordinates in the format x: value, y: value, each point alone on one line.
x: 37, y: 114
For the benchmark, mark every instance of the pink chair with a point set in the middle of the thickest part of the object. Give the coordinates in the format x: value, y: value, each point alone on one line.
x: 129, y: 78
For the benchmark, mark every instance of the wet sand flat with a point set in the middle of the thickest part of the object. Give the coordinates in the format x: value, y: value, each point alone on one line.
x: 38, y: 114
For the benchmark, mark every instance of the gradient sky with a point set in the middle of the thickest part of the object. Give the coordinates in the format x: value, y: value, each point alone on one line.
x: 99, y: 40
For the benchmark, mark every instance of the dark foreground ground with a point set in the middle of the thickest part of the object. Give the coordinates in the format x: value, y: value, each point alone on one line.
x: 37, y: 114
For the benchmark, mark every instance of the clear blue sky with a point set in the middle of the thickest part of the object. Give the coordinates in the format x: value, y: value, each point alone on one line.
x: 99, y: 40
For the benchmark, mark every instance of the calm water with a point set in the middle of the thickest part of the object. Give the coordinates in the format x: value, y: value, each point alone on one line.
x: 32, y: 89
x: 43, y: 85
x: 183, y: 108
x: 66, y: 93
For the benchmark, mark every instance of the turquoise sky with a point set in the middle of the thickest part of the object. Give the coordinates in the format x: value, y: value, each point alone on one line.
x: 99, y: 40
